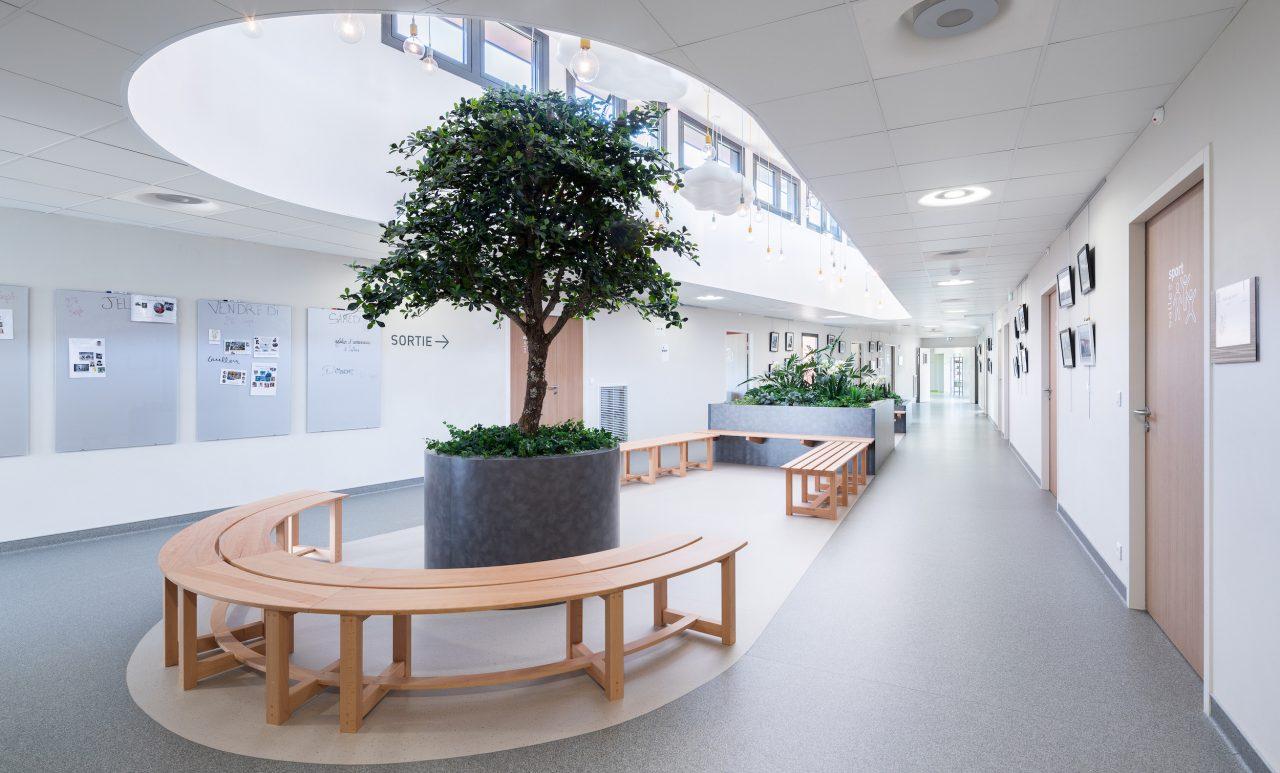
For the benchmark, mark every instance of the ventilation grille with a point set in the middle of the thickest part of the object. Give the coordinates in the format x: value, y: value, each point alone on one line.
x: 613, y: 410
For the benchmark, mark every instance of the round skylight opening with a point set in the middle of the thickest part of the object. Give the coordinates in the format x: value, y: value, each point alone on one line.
x: 953, y: 197
x: 946, y: 18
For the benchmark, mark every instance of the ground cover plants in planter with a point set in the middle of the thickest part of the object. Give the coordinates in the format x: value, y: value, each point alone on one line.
x: 533, y: 208
x: 819, y: 379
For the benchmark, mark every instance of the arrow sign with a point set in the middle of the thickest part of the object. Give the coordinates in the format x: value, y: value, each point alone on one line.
x: 446, y: 341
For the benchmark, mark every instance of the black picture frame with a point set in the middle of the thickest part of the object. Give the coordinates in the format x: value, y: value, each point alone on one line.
x: 988, y: 364
x: 773, y: 340
x: 831, y: 339
x: 790, y: 341
x: 1067, y: 287
x: 840, y: 346
x: 1084, y: 270
x: 1026, y: 360
x: 1067, y: 347
x: 989, y: 346
x: 1017, y: 366
x: 1024, y: 318
x: 1087, y: 344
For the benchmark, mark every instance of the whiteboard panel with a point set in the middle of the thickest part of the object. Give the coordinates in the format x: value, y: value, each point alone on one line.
x: 234, y: 341
x: 344, y: 371
x: 15, y: 371
x: 132, y: 400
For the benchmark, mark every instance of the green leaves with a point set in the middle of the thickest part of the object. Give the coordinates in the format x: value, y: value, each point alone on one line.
x: 571, y: 437
x: 817, y: 379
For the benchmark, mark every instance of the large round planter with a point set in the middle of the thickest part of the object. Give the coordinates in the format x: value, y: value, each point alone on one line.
x: 491, y: 512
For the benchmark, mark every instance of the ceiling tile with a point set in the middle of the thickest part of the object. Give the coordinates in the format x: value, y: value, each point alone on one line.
x: 112, y: 160
x: 41, y: 194
x: 957, y: 137
x: 1079, y: 18
x: 622, y: 20
x: 22, y: 138
x: 950, y: 172
x: 824, y: 115
x: 739, y: 64
x: 877, y: 182
x: 968, y: 88
x: 1029, y: 224
x: 883, y: 238
x: 1052, y: 205
x: 207, y: 227
x: 1063, y: 184
x: 1078, y: 119
x: 201, y: 184
x: 957, y: 231
x: 296, y: 242
x: 27, y: 99
x: 328, y: 233
x: 47, y: 51
x: 677, y: 59
x: 134, y: 24
x: 957, y: 243
x: 15, y: 204
x: 126, y: 134
x: 973, y: 213
x: 893, y: 252
x: 1128, y: 59
x: 1097, y: 153
x: 67, y: 177
x: 869, y: 225
x: 1036, y: 238
x: 871, y: 206
x: 852, y: 154
x: 894, y: 48
x: 261, y: 218
x: 690, y: 22
x: 320, y: 216
x: 131, y: 213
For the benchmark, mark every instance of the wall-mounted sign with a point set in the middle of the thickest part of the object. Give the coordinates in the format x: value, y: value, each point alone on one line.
x: 422, y: 342
x: 1235, y: 322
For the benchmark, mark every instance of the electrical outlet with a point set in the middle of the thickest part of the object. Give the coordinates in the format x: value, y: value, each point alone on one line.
x: 1119, y: 551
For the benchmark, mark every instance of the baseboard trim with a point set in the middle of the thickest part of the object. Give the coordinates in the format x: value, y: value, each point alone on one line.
x: 1119, y: 587
x: 102, y: 532
x: 1236, y: 740
x: 1026, y: 466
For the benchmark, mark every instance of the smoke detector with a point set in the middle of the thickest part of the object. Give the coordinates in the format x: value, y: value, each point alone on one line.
x: 948, y: 18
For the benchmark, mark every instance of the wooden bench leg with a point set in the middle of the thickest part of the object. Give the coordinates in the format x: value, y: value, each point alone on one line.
x: 335, y: 531
x: 613, y: 646
x: 684, y: 459
x: 573, y: 626
x: 279, y: 640
x: 655, y: 461
x: 804, y: 487
x: 295, y: 525
x: 170, y: 623
x: 188, y: 650
x: 844, y: 485
x: 833, y: 499
x: 351, y: 674
x: 791, y: 503
x: 862, y: 468
x: 728, y: 601
x: 659, y: 603
x: 626, y: 467
x: 402, y: 642
x: 711, y: 454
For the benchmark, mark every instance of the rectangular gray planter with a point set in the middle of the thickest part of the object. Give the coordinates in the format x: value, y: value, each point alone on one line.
x: 873, y: 422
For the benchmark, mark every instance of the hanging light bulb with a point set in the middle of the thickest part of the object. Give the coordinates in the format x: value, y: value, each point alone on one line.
x: 585, y: 64
x: 349, y: 27
x: 252, y: 28
x: 768, y: 242
x: 714, y: 224
x: 757, y: 214
x: 413, y: 44
x: 742, y: 206
x: 820, y: 276
x: 751, y: 236
x: 429, y: 64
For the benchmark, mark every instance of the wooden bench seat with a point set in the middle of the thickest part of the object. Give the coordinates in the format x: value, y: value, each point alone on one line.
x: 653, y: 447
x: 248, y: 556
x: 836, y: 468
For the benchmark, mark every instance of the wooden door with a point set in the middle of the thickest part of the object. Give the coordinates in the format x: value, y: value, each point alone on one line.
x: 564, y: 373
x: 1175, y: 442
x: 1051, y: 388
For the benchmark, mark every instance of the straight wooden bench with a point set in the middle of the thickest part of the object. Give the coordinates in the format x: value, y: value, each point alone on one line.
x: 757, y: 437
x: 654, y: 446
x: 244, y: 557
x: 836, y: 468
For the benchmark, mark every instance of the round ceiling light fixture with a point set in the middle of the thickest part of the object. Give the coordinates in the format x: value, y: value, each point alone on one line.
x: 947, y: 18
x: 954, y: 197
x: 179, y: 198
x: 955, y: 282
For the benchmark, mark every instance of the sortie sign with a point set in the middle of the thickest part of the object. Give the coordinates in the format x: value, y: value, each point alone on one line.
x: 420, y: 342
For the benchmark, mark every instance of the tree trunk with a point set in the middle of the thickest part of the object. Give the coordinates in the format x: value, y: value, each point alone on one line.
x: 538, y: 344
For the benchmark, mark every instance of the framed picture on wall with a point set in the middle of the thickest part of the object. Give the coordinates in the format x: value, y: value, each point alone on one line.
x: 790, y: 341
x: 831, y: 339
x: 773, y: 341
x: 924, y: 358
x: 840, y: 346
x: 1084, y: 269
x: 1086, y: 346
x: 989, y: 347
x: 808, y: 342
x: 1026, y: 360
x: 1067, y: 347
x: 879, y: 346
x: 768, y: 368
x: 1024, y: 319
x: 1017, y: 366
x: 1066, y: 287
x: 988, y: 364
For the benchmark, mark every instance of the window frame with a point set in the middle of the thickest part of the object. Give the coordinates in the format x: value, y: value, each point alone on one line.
x: 618, y: 104
x: 688, y: 121
x: 779, y: 175
x: 827, y: 224
x: 473, y: 69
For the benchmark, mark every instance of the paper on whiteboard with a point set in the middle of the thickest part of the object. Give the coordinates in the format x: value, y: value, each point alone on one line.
x: 233, y: 377
x: 264, y: 380
x: 1231, y: 325
x: 6, y: 324
x: 153, y: 308
x: 88, y: 357
x: 235, y: 348
x: 215, y: 335
x: 266, y: 346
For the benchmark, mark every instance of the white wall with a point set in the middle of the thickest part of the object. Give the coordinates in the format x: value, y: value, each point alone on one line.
x: 1226, y: 104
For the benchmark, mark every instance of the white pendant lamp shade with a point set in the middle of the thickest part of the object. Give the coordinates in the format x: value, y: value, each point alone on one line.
x: 622, y: 73
x: 714, y: 187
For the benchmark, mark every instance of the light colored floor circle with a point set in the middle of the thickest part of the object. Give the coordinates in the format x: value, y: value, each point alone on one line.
x: 226, y: 712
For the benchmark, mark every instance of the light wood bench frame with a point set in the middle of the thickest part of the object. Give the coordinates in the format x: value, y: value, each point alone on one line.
x: 836, y: 468
x: 653, y: 447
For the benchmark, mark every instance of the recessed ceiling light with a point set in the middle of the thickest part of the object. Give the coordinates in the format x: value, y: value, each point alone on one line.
x: 710, y: 297
x: 957, y: 311
x: 836, y: 316
x: 954, y: 197
x: 178, y: 198
x: 955, y: 282
x: 946, y: 18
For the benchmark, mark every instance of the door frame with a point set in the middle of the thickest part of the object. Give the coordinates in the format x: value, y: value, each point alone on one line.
x: 1002, y: 370
x: 1048, y: 406
x: 1198, y: 169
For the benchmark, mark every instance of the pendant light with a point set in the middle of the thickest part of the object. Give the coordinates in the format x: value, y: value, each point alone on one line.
x: 751, y: 236
x: 585, y: 64
x: 714, y: 225
x: 429, y: 64
x: 252, y: 28
x: 413, y: 44
x: 349, y: 28
x: 768, y: 241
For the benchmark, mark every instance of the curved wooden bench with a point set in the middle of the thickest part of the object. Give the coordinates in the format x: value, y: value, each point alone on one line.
x: 248, y: 556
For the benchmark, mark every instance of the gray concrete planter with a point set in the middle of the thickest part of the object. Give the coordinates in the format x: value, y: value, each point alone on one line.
x: 874, y: 422
x: 491, y: 512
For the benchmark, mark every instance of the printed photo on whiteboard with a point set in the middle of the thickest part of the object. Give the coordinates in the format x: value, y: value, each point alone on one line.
x: 215, y: 335
x: 268, y: 346
x: 6, y: 324
x: 234, y: 377
x: 88, y: 357
x: 264, y: 380
x: 153, y: 308
x: 233, y: 347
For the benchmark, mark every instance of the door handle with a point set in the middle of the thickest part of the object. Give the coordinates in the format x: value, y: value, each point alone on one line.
x: 1048, y: 390
x: 555, y: 389
x: 1145, y: 413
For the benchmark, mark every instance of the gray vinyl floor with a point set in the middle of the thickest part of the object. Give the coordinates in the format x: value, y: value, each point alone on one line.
x: 951, y: 624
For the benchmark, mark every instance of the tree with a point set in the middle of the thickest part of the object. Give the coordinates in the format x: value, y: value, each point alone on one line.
x: 529, y: 205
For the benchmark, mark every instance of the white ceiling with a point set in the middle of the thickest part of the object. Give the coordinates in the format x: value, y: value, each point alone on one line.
x: 1037, y: 106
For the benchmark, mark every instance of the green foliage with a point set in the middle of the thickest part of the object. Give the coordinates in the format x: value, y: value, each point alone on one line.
x: 526, y: 205
x: 817, y: 379
x: 571, y: 437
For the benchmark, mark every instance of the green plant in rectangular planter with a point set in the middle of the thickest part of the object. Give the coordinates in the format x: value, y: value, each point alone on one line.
x: 818, y: 379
